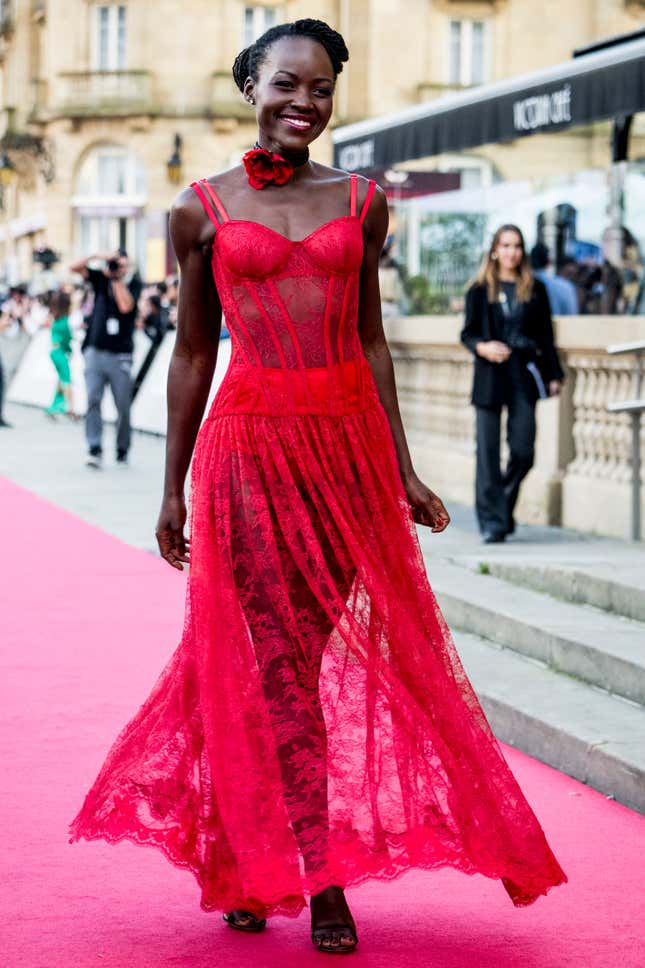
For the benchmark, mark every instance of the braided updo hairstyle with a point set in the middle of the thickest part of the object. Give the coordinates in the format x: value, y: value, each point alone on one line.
x: 248, y: 62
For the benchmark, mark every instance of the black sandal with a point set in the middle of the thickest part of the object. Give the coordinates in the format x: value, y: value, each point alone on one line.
x: 343, y: 928
x: 253, y: 925
x: 319, y: 934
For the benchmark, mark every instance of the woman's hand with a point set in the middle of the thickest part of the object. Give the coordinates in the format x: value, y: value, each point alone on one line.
x: 493, y: 350
x: 427, y: 507
x: 173, y: 546
x: 554, y: 388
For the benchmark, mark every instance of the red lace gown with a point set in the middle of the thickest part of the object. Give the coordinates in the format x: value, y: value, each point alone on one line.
x: 315, y: 725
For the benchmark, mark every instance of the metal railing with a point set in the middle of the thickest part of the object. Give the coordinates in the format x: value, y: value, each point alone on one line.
x: 634, y: 408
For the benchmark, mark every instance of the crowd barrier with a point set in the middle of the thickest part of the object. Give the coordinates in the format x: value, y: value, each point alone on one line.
x: 149, y: 410
x: 34, y: 380
x: 12, y: 348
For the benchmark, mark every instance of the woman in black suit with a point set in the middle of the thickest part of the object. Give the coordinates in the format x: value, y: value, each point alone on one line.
x: 508, y: 329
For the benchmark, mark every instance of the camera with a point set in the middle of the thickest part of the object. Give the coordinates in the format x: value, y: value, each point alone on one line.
x: 113, y: 265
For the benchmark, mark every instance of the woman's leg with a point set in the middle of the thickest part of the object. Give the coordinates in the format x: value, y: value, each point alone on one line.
x: 520, y: 433
x: 290, y: 682
x: 95, y: 381
x: 69, y: 399
x: 290, y: 629
x: 58, y: 403
x: 489, y: 491
x: 68, y: 390
x: 61, y: 365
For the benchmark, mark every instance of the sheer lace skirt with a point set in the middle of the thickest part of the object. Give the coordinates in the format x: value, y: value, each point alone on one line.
x: 315, y: 725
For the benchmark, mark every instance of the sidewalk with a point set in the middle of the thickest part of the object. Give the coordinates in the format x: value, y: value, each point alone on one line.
x: 48, y: 459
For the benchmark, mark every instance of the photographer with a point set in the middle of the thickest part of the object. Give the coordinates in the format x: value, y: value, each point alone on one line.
x: 107, y: 350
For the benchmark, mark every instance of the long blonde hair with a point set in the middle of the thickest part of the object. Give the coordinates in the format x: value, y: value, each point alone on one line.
x: 488, y: 274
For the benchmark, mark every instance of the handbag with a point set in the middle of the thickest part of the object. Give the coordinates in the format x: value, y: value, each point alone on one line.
x: 541, y: 381
x: 536, y: 366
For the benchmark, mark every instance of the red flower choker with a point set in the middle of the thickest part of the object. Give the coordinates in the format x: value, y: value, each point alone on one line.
x: 264, y: 168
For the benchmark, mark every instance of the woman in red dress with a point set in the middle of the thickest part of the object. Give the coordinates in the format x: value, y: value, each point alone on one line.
x: 315, y: 728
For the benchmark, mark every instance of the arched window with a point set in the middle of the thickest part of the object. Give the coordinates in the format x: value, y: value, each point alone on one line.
x: 109, y: 203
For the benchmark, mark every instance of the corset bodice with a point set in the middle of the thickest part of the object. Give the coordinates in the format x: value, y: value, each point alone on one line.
x: 291, y: 308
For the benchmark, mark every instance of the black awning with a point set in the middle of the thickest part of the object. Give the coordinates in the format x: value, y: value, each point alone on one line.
x: 607, y: 84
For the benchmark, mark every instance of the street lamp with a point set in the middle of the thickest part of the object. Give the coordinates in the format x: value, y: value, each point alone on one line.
x: 7, y: 175
x: 7, y: 170
x: 174, y: 163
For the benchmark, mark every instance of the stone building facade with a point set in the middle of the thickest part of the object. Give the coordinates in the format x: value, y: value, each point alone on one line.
x: 93, y: 95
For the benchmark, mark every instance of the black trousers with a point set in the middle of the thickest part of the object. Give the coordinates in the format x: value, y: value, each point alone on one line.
x: 496, y: 491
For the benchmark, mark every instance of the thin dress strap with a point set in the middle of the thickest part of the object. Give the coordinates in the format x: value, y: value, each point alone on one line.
x: 352, y: 194
x: 199, y: 188
x: 368, y: 199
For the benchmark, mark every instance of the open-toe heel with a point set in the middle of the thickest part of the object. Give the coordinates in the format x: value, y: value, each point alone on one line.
x: 245, y: 921
x: 323, y: 938
x: 333, y: 930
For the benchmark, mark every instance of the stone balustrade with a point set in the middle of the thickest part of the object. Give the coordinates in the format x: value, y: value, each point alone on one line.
x: 581, y: 478
x: 95, y: 93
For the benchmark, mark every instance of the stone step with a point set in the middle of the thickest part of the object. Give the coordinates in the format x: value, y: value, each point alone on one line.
x: 604, y: 650
x: 613, y: 588
x: 578, y: 729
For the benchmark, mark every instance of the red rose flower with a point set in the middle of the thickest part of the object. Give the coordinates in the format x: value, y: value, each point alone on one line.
x: 264, y: 168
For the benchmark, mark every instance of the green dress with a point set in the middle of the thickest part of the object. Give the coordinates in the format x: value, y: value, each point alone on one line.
x: 60, y: 354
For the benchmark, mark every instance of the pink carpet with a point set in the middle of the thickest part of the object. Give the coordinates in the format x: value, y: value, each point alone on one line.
x: 87, y: 623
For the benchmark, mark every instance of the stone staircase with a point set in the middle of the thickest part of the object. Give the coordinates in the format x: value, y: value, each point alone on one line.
x: 557, y: 657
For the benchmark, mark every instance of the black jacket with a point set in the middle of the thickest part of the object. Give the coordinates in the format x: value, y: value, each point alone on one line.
x: 485, y: 321
x: 105, y: 307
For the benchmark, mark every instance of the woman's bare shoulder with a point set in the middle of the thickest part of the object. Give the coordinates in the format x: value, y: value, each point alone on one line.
x: 332, y: 175
x: 186, y: 208
x: 363, y: 186
x: 187, y: 212
x: 230, y: 185
x: 190, y: 226
x: 228, y: 178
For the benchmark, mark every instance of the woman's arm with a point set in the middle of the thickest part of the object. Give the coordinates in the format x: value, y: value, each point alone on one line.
x: 122, y: 296
x: 191, y: 366
x: 81, y: 268
x: 472, y: 335
x: 427, y: 508
x: 546, y: 341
